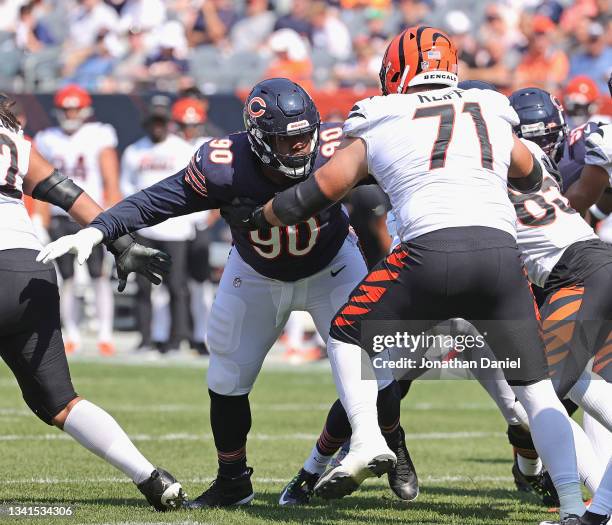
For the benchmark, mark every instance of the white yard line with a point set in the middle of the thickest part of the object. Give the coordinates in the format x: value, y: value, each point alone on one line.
x: 67, y: 481
x: 58, y: 436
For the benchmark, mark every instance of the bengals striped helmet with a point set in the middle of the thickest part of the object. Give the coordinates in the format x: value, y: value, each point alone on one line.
x: 419, y: 55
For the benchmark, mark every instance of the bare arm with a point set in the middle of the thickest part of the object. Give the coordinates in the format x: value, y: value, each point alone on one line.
x: 588, y: 189
x: 109, y: 168
x: 84, y: 209
x: 336, y: 178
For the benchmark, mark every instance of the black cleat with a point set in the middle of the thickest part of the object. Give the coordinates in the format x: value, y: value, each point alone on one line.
x: 226, y: 492
x: 162, y: 491
x: 541, y: 484
x: 299, y: 490
x: 403, y: 478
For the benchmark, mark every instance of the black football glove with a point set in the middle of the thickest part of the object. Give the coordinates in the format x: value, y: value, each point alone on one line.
x: 133, y: 257
x: 245, y: 213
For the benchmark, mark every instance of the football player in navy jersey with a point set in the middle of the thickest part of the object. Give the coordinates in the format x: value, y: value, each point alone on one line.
x: 311, y: 266
x: 583, y: 154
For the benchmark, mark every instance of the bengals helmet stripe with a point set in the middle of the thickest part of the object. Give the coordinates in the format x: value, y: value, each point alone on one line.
x: 426, y: 56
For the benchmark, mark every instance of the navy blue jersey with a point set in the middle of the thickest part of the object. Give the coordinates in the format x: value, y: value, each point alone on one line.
x: 220, y: 171
x: 571, y: 159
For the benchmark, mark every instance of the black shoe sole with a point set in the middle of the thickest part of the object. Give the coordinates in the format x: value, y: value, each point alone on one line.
x: 195, y: 505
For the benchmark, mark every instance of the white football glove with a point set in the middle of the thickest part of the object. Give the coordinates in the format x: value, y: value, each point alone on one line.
x: 81, y: 244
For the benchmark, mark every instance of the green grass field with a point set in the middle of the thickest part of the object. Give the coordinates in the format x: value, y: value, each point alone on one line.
x: 455, y: 436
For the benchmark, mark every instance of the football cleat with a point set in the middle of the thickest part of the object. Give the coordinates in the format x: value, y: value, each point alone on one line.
x: 226, y: 492
x: 299, y: 490
x: 403, y: 477
x: 363, y: 461
x: 106, y: 348
x: 162, y: 491
x: 541, y: 484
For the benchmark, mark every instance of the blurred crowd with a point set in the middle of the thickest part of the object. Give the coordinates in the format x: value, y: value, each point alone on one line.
x: 123, y: 46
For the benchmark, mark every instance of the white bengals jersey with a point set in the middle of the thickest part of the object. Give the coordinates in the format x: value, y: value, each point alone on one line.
x: 78, y: 155
x: 16, y: 229
x: 546, y: 223
x: 145, y: 163
x: 441, y: 156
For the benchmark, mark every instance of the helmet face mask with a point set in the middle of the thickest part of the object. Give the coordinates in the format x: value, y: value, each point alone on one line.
x: 278, y: 116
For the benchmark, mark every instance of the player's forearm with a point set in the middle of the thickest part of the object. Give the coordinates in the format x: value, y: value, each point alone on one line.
x: 153, y: 205
x: 84, y: 209
x: 588, y: 189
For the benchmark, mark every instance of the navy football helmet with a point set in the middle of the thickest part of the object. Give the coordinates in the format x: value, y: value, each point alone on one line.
x: 476, y: 84
x: 275, y: 109
x: 541, y: 118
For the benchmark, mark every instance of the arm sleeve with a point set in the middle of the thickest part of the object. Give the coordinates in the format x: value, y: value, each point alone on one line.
x: 168, y: 198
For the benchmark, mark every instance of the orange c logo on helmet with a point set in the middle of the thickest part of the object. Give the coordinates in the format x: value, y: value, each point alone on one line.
x: 256, y: 107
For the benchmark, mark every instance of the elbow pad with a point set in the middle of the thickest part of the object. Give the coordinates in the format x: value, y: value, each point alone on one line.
x: 530, y: 183
x: 57, y: 189
x: 300, y: 202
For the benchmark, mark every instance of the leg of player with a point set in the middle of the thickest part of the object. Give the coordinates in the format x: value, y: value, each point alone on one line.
x: 98, y: 432
x: 31, y: 345
x: 242, y: 328
x: 599, y: 436
x: 600, y: 509
x: 104, y: 300
x: 337, y: 432
x: 593, y: 394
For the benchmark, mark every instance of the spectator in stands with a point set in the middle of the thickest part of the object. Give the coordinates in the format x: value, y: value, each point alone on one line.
x: 167, y: 60
x: 542, y: 66
x: 363, y: 69
x: 88, y: 20
x: 329, y: 32
x: 32, y: 34
x: 251, y: 32
x: 212, y: 22
x: 131, y: 71
x: 595, y: 59
x: 412, y: 12
x: 297, y: 19
x: 291, y: 58
x: 9, y: 14
x: 146, y: 14
x: 499, y: 27
x: 100, y: 63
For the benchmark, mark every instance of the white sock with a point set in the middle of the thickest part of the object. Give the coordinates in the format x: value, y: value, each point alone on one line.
x: 599, y: 436
x: 602, y: 501
x: 316, y: 462
x: 590, y: 468
x: 98, y: 432
x: 104, y: 308
x: 552, y: 435
x: 68, y: 311
x: 528, y: 466
x: 199, y: 310
x: 593, y: 394
x: 358, y: 396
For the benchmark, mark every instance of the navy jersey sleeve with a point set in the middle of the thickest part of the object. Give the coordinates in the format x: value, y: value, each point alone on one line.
x: 174, y: 196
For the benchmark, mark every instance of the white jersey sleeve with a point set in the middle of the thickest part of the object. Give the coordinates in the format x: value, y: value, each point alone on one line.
x: 546, y: 224
x: 16, y: 229
x: 441, y: 156
x: 106, y: 136
x: 598, y: 149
